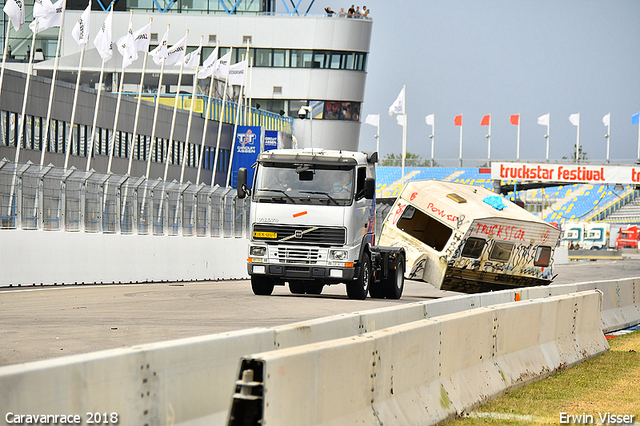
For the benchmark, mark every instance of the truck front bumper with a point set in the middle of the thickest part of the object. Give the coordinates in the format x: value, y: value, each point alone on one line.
x: 286, y: 272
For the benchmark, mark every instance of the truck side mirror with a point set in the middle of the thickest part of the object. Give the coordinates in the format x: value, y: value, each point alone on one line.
x: 369, y: 188
x: 242, y: 182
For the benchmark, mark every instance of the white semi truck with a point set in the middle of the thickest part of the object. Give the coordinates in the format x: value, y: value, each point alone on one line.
x: 312, y: 224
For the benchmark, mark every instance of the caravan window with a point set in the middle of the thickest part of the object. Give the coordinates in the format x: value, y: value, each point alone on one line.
x: 543, y: 256
x: 473, y: 248
x: 424, y: 228
x: 501, y: 252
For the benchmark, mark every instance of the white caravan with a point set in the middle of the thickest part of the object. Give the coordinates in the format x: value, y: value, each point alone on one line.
x: 455, y: 240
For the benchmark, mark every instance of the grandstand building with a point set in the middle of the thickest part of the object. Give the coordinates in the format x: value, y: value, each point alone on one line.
x: 299, y: 60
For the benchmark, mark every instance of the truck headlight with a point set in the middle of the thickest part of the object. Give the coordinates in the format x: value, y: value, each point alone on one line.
x: 338, y: 254
x: 257, y: 251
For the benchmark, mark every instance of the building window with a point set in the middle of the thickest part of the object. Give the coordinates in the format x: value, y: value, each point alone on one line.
x: 501, y: 252
x: 473, y: 248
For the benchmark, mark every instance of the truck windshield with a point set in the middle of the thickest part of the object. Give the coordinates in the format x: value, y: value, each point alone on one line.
x: 303, y: 184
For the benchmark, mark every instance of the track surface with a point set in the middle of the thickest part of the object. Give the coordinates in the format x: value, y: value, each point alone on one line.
x: 39, y: 323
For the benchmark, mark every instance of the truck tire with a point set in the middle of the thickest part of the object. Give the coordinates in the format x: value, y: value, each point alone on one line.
x: 394, y: 284
x: 358, y: 288
x: 296, y: 287
x: 261, y: 286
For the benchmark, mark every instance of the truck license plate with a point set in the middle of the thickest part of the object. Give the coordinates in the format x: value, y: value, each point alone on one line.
x: 257, y: 234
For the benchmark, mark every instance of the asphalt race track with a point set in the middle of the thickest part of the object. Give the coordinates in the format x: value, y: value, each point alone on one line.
x: 45, y: 322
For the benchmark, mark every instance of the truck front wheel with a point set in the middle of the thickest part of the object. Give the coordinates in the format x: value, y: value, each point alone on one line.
x: 261, y: 286
x: 359, y: 288
x: 394, y: 284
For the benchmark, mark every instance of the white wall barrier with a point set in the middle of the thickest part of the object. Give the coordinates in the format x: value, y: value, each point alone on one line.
x: 82, y: 257
x: 114, y: 375
x: 421, y: 372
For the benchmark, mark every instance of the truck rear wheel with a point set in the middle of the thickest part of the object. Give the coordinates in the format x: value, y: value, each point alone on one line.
x: 394, y: 284
x: 261, y: 286
x: 359, y: 288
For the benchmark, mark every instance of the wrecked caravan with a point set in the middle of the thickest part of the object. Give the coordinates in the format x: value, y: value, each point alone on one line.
x: 456, y: 240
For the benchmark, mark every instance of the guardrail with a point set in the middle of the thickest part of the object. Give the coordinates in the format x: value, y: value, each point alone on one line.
x: 191, y: 381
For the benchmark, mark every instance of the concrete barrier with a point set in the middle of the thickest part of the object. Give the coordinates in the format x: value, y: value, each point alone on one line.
x: 82, y: 257
x: 422, y: 372
x: 23, y: 388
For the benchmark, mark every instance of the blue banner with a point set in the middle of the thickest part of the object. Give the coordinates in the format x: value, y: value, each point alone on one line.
x: 635, y: 118
x: 270, y: 139
x: 247, y: 148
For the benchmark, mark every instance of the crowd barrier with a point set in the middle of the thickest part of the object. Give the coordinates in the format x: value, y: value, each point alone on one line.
x: 191, y: 381
x: 422, y: 372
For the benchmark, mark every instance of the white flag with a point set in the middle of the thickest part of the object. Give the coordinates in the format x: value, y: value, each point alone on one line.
x: 221, y: 66
x: 103, y: 40
x: 398, y: 106
x: 175, y: 53
x: 15, y: 11
x: 127, y: 48
x: 192, y: 59
x: 208, y: 66
x: 236, y: 73
x: 606, y: 120
x: 80, y: 31
x: 41, y: 8
x: 160, y: 52
x: 431, y: 119
x: 575, y: 119
x: 401, y: 119
x: 50, y: 19
x: 142, y: 37
x: 373, y: 119
x: 543, y: 120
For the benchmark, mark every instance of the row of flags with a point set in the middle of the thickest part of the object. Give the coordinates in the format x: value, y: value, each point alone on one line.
x: 398, y: 107
x: 48, y: 15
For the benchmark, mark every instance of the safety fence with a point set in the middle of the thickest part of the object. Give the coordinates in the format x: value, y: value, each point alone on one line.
x: 54, y: 199
x: 422, y: 362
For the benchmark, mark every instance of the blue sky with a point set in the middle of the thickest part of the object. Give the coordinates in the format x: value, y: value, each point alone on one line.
x: 501, y: 58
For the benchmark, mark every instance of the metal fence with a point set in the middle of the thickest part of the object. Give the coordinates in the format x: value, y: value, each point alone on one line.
x: 54, y: 199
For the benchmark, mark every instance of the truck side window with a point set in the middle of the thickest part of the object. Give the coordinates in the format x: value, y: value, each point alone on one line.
x: 424, y: 228
x: 543, y: 256
x: 501, y: 252
x: 362, y: 174
x: 473, y: 248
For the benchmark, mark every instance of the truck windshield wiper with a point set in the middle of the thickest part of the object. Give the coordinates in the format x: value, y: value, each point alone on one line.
x: 321, y: 193
x: 278, y: 190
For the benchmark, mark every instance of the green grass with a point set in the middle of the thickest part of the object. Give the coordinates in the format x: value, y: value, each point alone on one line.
x: 608, y: 383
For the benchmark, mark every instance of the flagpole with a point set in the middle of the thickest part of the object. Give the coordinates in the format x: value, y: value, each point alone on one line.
x: 250, y: 85
x: 404, y: 142
x: 460, y: 140
x: 489, y: 142
x: 173, y: 119
x: 235, y: 127
x: 608, y: 137
x: 26, y: 96
x: 548, y: 136
x: 378, y: 136
x: 518, y: 140
x: 95, y: 118
x: 135, y: 125
x: 433, y: 143
x: 73, y: 111
x: 207, y: 112
x: 155, y: 114
x: 51, y: 91
x: 221, y: 117
x: 578, y: 140
x: 193, y: 101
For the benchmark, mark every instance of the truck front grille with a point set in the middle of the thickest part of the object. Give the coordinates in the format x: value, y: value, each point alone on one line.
x: 297, y: 255
x: 315, y: 235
